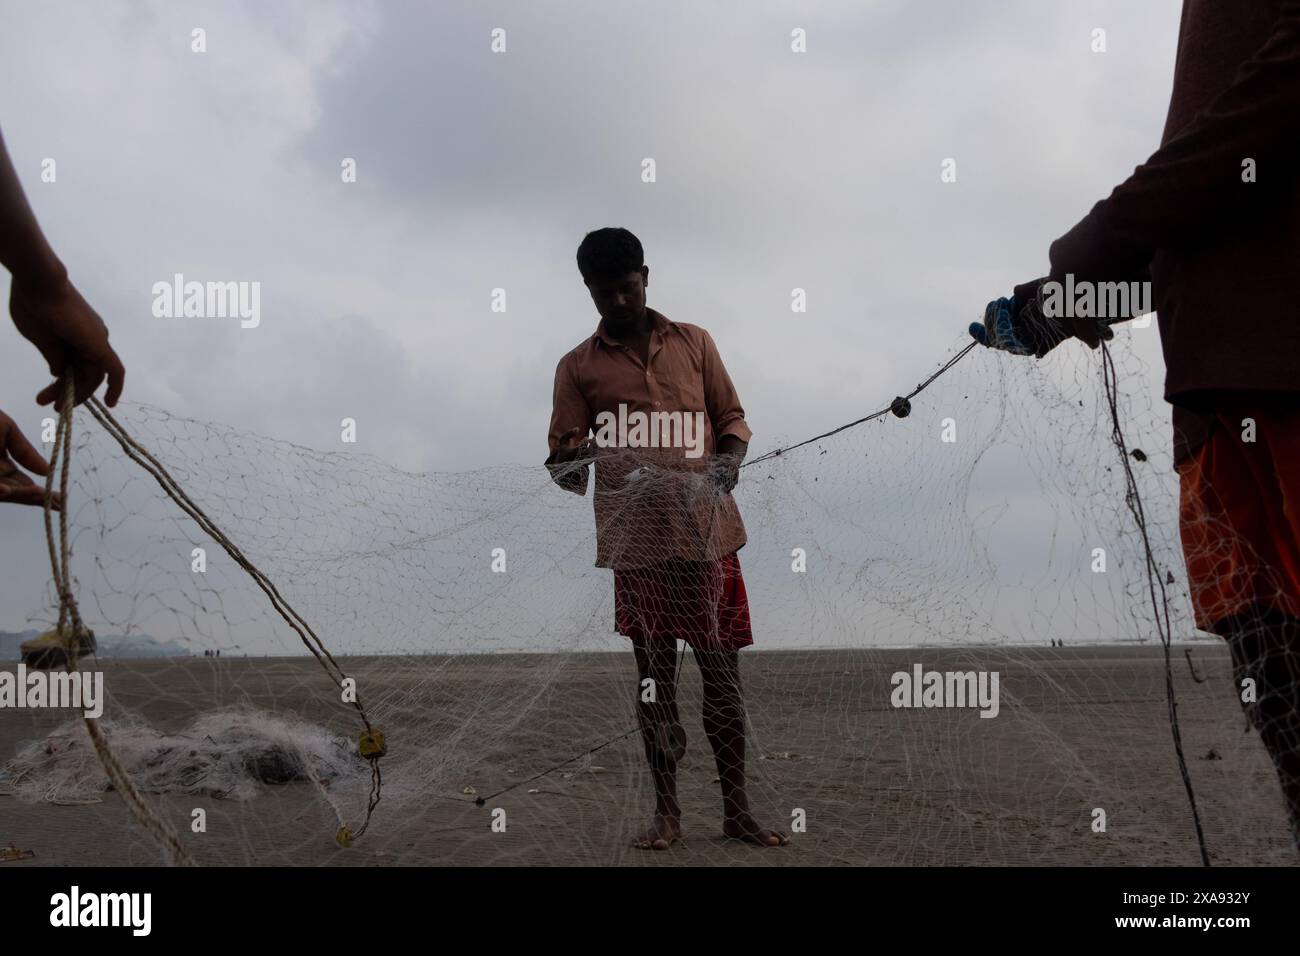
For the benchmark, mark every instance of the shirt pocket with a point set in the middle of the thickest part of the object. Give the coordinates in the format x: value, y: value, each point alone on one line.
x: 684, y: 384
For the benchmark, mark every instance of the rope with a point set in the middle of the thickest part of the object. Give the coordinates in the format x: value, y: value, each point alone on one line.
x: 71, y: 630
x: 1160, y: 604
x: 70, y: 618
x: 549, y: 770
x: 866, y: 418
x: 141, y: 456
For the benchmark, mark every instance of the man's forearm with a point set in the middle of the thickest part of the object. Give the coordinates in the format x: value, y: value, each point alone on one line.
x: 567, y: 474
x: 732, y: 445
x: 24, y: 250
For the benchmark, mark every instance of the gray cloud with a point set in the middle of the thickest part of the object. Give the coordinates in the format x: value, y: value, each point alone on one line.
x: 478, y: 171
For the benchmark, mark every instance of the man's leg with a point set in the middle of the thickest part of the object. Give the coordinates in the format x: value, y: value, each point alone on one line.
x: 724, y: 724
x: 1241, y: 536
x: 656, y: 660
x: 1265, y: 647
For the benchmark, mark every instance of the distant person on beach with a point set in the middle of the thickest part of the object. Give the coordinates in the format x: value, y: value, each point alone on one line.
x: 1212, y: 221
x: 71, y: 337
x: 673, y: 579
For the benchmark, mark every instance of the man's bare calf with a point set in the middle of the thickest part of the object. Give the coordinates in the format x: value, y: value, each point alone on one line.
x: 664, y: 741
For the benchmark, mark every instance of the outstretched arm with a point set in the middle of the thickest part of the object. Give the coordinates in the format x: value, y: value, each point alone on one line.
x: 46, y: 308
x: 24, y: 250
x: 1190, y: 188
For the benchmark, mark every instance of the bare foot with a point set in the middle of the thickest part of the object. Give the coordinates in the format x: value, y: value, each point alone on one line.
x: 663, y: 831
x: 745, y: 827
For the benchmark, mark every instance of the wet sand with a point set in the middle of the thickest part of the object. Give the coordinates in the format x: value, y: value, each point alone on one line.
x: 1079, y: 729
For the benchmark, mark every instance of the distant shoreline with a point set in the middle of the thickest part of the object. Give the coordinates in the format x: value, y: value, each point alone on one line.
x: 1133, y: 648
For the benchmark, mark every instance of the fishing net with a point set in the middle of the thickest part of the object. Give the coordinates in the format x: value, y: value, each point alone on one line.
x: 983, y: 532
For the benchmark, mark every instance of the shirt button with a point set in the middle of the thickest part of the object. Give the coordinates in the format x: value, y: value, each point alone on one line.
x: 657, y: 404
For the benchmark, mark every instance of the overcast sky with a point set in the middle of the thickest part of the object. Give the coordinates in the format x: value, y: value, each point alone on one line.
x: 479, y: 170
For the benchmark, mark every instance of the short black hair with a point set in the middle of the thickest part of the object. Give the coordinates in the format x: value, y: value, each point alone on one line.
x: 609, y: 253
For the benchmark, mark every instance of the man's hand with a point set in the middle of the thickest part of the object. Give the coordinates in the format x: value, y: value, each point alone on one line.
x: 726, y: 473
x: 1001, y: 328
x: 15, y: 484
x: 726, y: 465
x: 573, y: 447
x: 54, y: 317
x: 1019, y: 324
x: 1089, y: 331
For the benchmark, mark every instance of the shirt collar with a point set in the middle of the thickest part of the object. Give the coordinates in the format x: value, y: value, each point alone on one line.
x: 661, y: 324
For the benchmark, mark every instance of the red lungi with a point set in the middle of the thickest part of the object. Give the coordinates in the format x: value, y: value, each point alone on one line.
x: 701, y: 602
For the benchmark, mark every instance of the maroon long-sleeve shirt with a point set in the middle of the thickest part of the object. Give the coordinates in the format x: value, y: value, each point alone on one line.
x: 1222, y: 253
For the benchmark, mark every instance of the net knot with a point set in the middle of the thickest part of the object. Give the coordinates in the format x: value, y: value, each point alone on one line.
x: 372, y: 745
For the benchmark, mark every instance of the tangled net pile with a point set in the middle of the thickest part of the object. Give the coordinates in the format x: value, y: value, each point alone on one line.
x: 466, y: 608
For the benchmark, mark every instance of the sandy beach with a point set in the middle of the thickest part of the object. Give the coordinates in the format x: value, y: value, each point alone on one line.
x: 1079, y: 729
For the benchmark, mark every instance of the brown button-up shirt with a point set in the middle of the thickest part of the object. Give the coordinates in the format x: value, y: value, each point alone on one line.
x: 651, y: 503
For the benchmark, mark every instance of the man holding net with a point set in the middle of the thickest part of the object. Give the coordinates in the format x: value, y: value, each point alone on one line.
x: 665, y: 519
x: 1212, y: 220
x: 72, y: 338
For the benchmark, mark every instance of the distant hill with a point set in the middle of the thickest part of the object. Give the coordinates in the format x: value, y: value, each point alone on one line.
x: 110, y: 645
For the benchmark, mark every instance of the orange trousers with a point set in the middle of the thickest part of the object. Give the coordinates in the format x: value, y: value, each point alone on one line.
x: 1240, y: 515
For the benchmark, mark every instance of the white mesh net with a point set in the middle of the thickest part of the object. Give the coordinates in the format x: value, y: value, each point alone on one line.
x: 987, y: 533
